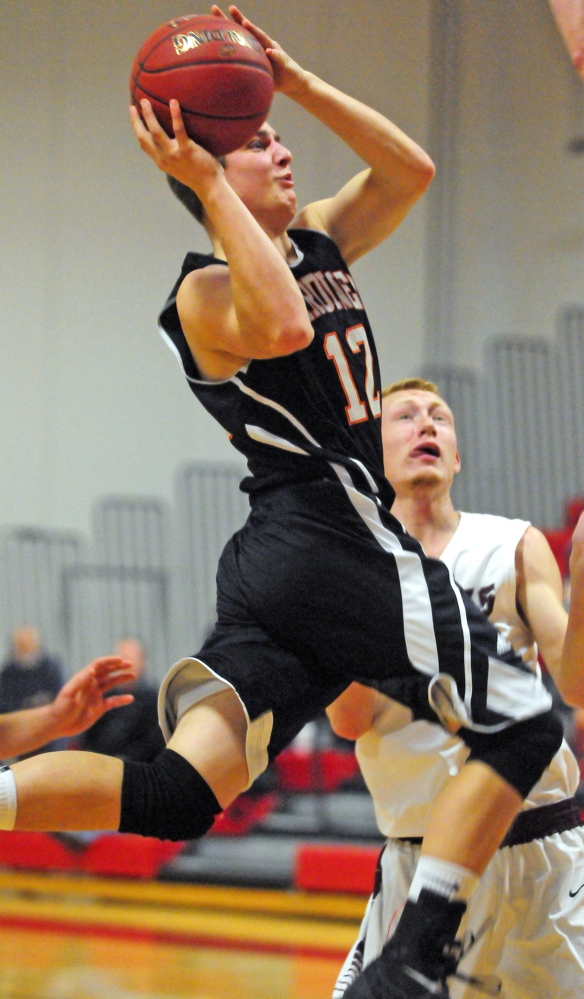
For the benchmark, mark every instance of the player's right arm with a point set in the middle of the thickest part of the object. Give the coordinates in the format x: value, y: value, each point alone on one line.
x: 253, y: 308
x: 354, y: 711
x: 573, y: 650
x: 374, y: 202
x: 569, y: 15
x: 78, y: 705
x: 560, y: 637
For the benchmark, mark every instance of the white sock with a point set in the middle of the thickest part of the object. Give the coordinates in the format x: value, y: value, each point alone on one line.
x: 443, y: 878
x: 7, y: 799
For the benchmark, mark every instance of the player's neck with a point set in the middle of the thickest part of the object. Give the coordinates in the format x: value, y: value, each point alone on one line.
x: 429, y: 517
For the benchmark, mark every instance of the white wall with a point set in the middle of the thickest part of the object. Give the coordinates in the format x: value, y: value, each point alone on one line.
x: 91, y: 402
x: 520, y: 210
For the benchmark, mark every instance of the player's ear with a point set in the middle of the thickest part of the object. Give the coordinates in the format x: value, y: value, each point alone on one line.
x: 457, y: 463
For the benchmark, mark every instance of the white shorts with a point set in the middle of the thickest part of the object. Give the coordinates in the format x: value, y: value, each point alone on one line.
x: 534, y: 891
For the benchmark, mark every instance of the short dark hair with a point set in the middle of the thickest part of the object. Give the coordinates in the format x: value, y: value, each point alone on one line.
x: 407, y: 384
x: 187, y: 196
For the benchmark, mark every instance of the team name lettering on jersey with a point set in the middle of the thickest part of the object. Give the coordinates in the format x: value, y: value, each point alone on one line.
x: 192, y: 40
x: 485, y: 598
x: 329, y: 291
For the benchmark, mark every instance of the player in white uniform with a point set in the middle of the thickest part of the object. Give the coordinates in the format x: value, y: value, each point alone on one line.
x: 531, y: 897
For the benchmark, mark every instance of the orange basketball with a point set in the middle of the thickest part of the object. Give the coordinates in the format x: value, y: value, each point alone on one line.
x: 216, y: 70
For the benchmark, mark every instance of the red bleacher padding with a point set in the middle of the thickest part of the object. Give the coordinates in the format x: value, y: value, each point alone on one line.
x: 120, y: 854
x: 324, y: 770
x: 574, y: 508
x: 243, y: 815
x: 345, y: 869
x: 126, y: 855
x: 36, y: 852
x: 559, y: 541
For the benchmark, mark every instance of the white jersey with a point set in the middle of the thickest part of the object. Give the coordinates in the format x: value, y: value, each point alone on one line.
x: 404, y: 762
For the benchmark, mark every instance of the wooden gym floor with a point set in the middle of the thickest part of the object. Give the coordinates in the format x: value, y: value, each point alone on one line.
x: 64, y: 937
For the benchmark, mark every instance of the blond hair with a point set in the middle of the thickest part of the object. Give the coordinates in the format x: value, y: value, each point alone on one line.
x: 405, y: 384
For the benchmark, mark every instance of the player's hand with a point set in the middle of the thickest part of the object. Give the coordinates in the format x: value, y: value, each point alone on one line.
x: 289, y: 77
x: 82, y: 700
x: 180, y: 156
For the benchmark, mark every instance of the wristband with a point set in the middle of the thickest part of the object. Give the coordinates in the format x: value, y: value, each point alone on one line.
x: 7, y: 798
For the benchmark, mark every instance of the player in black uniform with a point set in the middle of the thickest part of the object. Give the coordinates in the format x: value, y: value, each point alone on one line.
x: 322, y: 585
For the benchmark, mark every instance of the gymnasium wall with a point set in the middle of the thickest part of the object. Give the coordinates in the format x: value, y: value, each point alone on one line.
x: 92, y: 402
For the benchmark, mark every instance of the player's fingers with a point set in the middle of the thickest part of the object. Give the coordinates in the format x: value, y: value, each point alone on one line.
x: 118, y: 701
x: 83, y: 679
x: 217, y: 12
x: 178, y: 124
x: 159, y: 136
x: 116, y: 681
x: 261, y: 36
x: 140, y: 131
x: 108, y: 664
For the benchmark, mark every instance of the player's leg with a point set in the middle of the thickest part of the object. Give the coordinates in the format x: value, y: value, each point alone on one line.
x: 472, y: 814
x: 206, y: 768
x: 393, y: 877
x: 470, y: 817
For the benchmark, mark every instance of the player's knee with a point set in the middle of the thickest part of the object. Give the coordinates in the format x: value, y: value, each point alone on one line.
x: 167, y: 798
x: 520, y: 753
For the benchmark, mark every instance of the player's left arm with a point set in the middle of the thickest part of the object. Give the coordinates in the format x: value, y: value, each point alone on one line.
x: 539, y: 599
x: 569, y: 15
x: 76, y: 707
x: 354, y: 711
x: 367, y: 209
x: 573, y: 652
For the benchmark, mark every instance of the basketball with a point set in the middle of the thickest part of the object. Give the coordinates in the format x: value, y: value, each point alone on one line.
x: 216, y: 70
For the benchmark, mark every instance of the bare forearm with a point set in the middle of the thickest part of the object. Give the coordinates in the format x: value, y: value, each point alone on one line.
x: 569, y: 15
x: 266, y: 297
x: 368, y: 133
x: 571, y: 680
x: 57, y: 792
x: 23, y: 731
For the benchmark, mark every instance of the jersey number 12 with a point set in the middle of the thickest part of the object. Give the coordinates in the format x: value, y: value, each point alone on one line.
x: 356, y: 338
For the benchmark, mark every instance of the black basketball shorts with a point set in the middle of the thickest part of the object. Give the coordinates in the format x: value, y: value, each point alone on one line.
x: 321, y: 587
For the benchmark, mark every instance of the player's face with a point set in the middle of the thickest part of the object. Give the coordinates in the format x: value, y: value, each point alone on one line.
x: 259, y: 172
x: 419, y: 441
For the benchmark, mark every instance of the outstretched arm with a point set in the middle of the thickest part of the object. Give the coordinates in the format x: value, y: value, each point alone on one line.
x: 77, y: 706
x: 354, y: 711
x: 539, y: 595
x: 254, y: 308
x: 569, y: 15
x: 367, y: 209
x: 572, y: 689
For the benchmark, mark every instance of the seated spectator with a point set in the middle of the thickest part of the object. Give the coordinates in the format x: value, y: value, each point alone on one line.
x: 30, y: 677
x: 134, y: 733
x: 77, y: 706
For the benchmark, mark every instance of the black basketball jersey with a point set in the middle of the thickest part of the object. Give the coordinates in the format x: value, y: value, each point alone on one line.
x: 295, y: 417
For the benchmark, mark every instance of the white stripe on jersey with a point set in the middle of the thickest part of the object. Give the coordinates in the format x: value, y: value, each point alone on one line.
x: 265, y: 437
x: 417, y: 608
x: 273, y: 405
x: 418, y: 622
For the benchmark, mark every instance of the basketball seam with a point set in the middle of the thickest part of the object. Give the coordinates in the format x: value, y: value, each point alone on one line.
x: 205, y: 62
x: 199, y: 114
x: 170, y: 34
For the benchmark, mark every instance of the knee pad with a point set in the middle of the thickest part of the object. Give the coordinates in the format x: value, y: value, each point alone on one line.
x: 167, y: 798
x: 520, y: 753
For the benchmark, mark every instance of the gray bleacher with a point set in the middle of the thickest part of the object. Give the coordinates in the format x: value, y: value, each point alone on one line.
x: 148, y: 568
